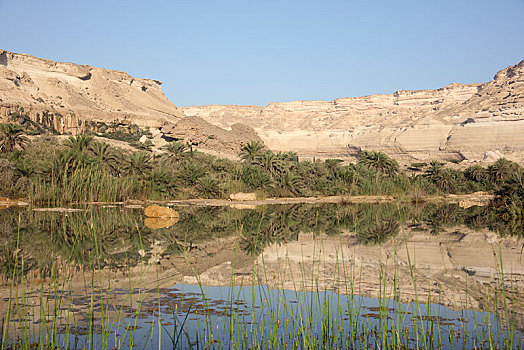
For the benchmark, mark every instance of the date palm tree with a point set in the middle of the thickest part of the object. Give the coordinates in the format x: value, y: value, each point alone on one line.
x: 502, y: 170
x: 270, y: 162
x: 190, y: 173
x: 251, y: 150
x: 104, y: 156
x: 12, y: 137
x: 138, y: 163
x: 379, y: 161
x: 176, y: 152
x: 476, y: 173
x: 79, y: 148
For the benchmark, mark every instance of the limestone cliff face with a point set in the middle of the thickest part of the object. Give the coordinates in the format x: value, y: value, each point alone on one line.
x: 68, y: 96
x: 457, y: 121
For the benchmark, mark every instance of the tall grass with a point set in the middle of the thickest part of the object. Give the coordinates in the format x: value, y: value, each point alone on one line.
x: 279, y: 306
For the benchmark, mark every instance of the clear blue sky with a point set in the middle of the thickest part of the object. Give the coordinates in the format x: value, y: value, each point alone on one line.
x: 255, y: 52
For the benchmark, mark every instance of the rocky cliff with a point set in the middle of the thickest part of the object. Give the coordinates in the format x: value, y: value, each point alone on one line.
x: 68, y: 98
x: 475, y: 122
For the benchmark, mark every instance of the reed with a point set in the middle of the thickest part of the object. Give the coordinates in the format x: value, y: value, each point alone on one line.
x: 278, y: 306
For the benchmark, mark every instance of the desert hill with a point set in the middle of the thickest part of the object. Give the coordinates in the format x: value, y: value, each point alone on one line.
x: 70, y: 99
x: 476, y: 122
x: 460, y: 121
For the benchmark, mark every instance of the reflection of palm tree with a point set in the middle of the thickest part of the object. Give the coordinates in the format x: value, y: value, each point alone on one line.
x: 11, y: 137
x: 380, y: 232
x: 251, y: 150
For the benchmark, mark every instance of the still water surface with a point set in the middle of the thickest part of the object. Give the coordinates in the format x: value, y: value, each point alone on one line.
x: 282, y: 275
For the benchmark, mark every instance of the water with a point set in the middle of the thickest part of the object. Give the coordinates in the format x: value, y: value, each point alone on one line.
x: 287, y: 275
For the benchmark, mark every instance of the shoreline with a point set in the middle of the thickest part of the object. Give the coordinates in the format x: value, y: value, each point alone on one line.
x: 465, y: 200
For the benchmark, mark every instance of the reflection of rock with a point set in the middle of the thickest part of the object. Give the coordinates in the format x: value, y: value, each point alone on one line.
x: 6, y: 203
x: 156, y: 211
x: 454, y: 267
x: 243, y: 206
x: 468, y: 204
x: 242, y: 196
x: 156, y: 223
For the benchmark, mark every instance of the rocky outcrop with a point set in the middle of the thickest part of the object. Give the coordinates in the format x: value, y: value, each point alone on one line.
x: 477, y: 122
x: 208, y: 136
x: 67, y: 96
x: 457, y: 121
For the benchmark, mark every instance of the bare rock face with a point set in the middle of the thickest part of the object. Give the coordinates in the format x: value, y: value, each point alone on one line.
x: 69, y: 97
x: 208, y: 136
x: 457, y: 121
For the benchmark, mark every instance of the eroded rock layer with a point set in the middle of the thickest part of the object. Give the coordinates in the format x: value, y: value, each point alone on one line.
x: 67, y: 98
x: 66, y: 95
x: 476, y: 122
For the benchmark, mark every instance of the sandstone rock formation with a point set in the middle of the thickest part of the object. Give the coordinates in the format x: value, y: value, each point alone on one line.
x: 70, y: 98
x: 67, y: 96
x: 243, y: 196
x: 458, y: 121
x: 204, y: 134
x: 476, y: 122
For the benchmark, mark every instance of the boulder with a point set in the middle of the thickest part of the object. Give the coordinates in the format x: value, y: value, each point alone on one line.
x: 156, y: 211
x: 243, y: 196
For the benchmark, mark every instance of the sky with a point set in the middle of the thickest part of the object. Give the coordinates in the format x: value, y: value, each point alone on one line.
x: 253, y: 52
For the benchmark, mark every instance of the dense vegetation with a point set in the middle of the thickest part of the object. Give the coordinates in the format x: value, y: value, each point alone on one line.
x: 83, y: 169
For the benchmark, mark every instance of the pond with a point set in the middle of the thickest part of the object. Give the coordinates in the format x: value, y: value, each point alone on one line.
x: 280, y: 276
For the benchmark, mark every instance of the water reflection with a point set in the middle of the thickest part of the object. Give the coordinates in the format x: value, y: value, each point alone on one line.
x: 114, y: 236
x: 438, y: 254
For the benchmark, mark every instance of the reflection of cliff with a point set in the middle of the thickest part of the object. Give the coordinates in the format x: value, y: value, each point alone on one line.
x: 459, y: 268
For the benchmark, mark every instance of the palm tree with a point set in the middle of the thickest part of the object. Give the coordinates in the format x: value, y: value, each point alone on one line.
x: 79, y: 143
x: 12, y: 137
x: 435, y: 167
x: 176, y: 151
x: 476, y: 173
x: 502, y: 170
x: 104, y: 155
x: 379, y: 161
x: 190, y: 173
x: 250, y: 151
x: 291, y: 156
x: 270, y: 162
x: 138, y: 163
x: 208, y: 187
x: 79, y: 146
x: 446, y: 180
